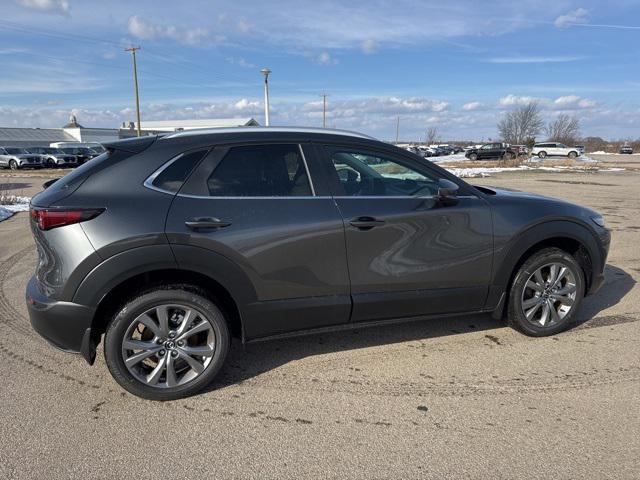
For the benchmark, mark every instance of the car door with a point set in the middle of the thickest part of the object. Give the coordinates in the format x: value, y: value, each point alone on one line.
x: 485, y: 151
x: 255, y: 208
x: 3, y: 158
x: 408, y: 252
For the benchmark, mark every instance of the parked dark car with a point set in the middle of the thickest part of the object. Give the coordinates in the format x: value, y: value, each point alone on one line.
x: 167, y: 246
x: 626, y: 149
x: 82, y: 154
x: 491, y: 151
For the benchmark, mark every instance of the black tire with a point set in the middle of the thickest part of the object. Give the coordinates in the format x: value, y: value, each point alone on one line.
x: 13, y: 165
x: 168, y: 294
x: 473, y: 157
x: 572, y: 155
x: 515, y: 311
x: 542, y: 154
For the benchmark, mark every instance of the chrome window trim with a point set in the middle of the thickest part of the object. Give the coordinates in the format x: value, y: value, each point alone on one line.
x: 149, y: 181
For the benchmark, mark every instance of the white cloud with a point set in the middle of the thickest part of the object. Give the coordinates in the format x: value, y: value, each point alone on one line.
x: 145, y: 30
x: 516, y: 100
x: 573, y: 102
x: 325, y: 59
x: 241, y: 62
x: 49, y: 6
x: 472, y: 106
x: 534, y: 59
x: 579, y: 15
x: 247, y: 105
x: 369, y: 46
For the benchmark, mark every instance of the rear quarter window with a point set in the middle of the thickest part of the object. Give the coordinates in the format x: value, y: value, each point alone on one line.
x: 171, y: 178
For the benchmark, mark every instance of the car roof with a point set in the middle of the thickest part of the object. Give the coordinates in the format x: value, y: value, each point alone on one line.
x: 251, y: 130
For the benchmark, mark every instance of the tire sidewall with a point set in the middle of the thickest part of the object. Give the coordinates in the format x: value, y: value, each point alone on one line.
x: 516, y: 316
x: 13, y: 165
x: 542, y: 154
x: 129, y: 312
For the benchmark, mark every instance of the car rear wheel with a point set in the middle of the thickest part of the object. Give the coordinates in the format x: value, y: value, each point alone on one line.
x: 573, y: 154
x: 13, y: 165
x: 167, y: 343
x: 546, y: 293
x: 473, y: 157
x: 542, y: 154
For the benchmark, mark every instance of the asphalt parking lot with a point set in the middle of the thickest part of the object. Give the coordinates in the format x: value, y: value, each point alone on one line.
x: 463, y: 397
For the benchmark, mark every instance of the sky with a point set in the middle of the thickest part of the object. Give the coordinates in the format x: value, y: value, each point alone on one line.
x: 458, y: 65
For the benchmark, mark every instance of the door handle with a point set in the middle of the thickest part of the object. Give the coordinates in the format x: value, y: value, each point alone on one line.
x: 206, y: 222
x: 366, y: 223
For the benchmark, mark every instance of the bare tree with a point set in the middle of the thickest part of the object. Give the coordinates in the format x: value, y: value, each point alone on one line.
x: 521, y: 125
x: 432, y: 135
x: 564, y: 129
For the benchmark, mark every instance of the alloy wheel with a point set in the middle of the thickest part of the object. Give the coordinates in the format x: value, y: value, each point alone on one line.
x: 549, y: 294
x: 168, y: 345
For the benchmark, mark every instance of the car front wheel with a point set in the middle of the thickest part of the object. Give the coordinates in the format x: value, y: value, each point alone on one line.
x: 473, y: 157
x: 573, y: 154
x: 13, y: 165
x: 167, y: 343
x: 546, y: 293
x: 542, y: 154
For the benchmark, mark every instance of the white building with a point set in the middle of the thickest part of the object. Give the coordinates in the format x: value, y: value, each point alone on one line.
x: 76, y: 133
x: 179, y: 125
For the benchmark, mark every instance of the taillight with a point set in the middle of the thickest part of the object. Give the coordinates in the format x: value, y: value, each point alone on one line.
x: 48, y: 218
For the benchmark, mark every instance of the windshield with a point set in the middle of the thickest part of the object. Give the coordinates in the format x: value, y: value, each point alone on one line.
x: 15, y: 150
x: 53, y: 150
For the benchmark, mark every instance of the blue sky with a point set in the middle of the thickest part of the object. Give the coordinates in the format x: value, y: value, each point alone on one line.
x: 457, y: 65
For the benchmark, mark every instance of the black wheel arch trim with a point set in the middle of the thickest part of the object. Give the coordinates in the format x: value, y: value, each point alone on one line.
x: 506, y: 262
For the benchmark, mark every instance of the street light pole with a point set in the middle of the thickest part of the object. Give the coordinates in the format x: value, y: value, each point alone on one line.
x: 135, y: 84
x: 266, y: 72
x: 324, y: 110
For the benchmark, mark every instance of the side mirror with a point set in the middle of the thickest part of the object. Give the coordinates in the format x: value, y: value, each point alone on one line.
x: 447, y: 191
x: 48, y: 183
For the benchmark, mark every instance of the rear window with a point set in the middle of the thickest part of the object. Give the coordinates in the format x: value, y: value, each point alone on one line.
x: 173, y: 176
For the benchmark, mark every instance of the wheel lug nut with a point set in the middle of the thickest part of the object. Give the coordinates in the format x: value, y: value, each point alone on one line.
x: 174, y: 353
x: 180, y: 343
x: 161, y: 353
x: 172, y: 334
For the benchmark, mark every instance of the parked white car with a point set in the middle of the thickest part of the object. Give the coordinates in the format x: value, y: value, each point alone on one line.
x: 552, y: 149
x: 16, y: 157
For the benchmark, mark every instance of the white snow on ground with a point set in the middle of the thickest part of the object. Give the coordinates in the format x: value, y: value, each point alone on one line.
x: 487, y: 171
x: 18, y: 204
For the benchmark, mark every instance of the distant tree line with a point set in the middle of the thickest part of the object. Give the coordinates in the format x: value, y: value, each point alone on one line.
x: 523, y: 125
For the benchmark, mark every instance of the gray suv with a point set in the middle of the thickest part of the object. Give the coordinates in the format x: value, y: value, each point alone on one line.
x: 165, y: 247
x: 16, y: 157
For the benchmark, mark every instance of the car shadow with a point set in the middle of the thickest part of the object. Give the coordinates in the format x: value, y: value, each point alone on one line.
x: 246, y: 362
x: 14, y: 186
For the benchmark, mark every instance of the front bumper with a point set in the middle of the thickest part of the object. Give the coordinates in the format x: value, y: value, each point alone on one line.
x: 65, y: 325
x: 597, y: 276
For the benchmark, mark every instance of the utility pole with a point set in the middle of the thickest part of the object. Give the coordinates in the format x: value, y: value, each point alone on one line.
x: 397, y: 129
x: 266, y: 72
x: 324, y: 110
x: 135, y: 84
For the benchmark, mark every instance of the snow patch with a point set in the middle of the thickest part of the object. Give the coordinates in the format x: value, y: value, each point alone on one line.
x: 13, y: 204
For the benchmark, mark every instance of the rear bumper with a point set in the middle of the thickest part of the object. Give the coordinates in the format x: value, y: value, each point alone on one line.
x: 65, y: 325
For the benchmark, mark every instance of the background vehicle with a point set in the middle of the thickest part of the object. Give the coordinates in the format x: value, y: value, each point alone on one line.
x: 626, y: 149
x: 521, y: 150
x: 491, y: 151
x: 16, y: 157
x: 548, y: 149
x: 54, y: 157
x: 580, y: 148
x: 167, y: 246
x: 82, y: 154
